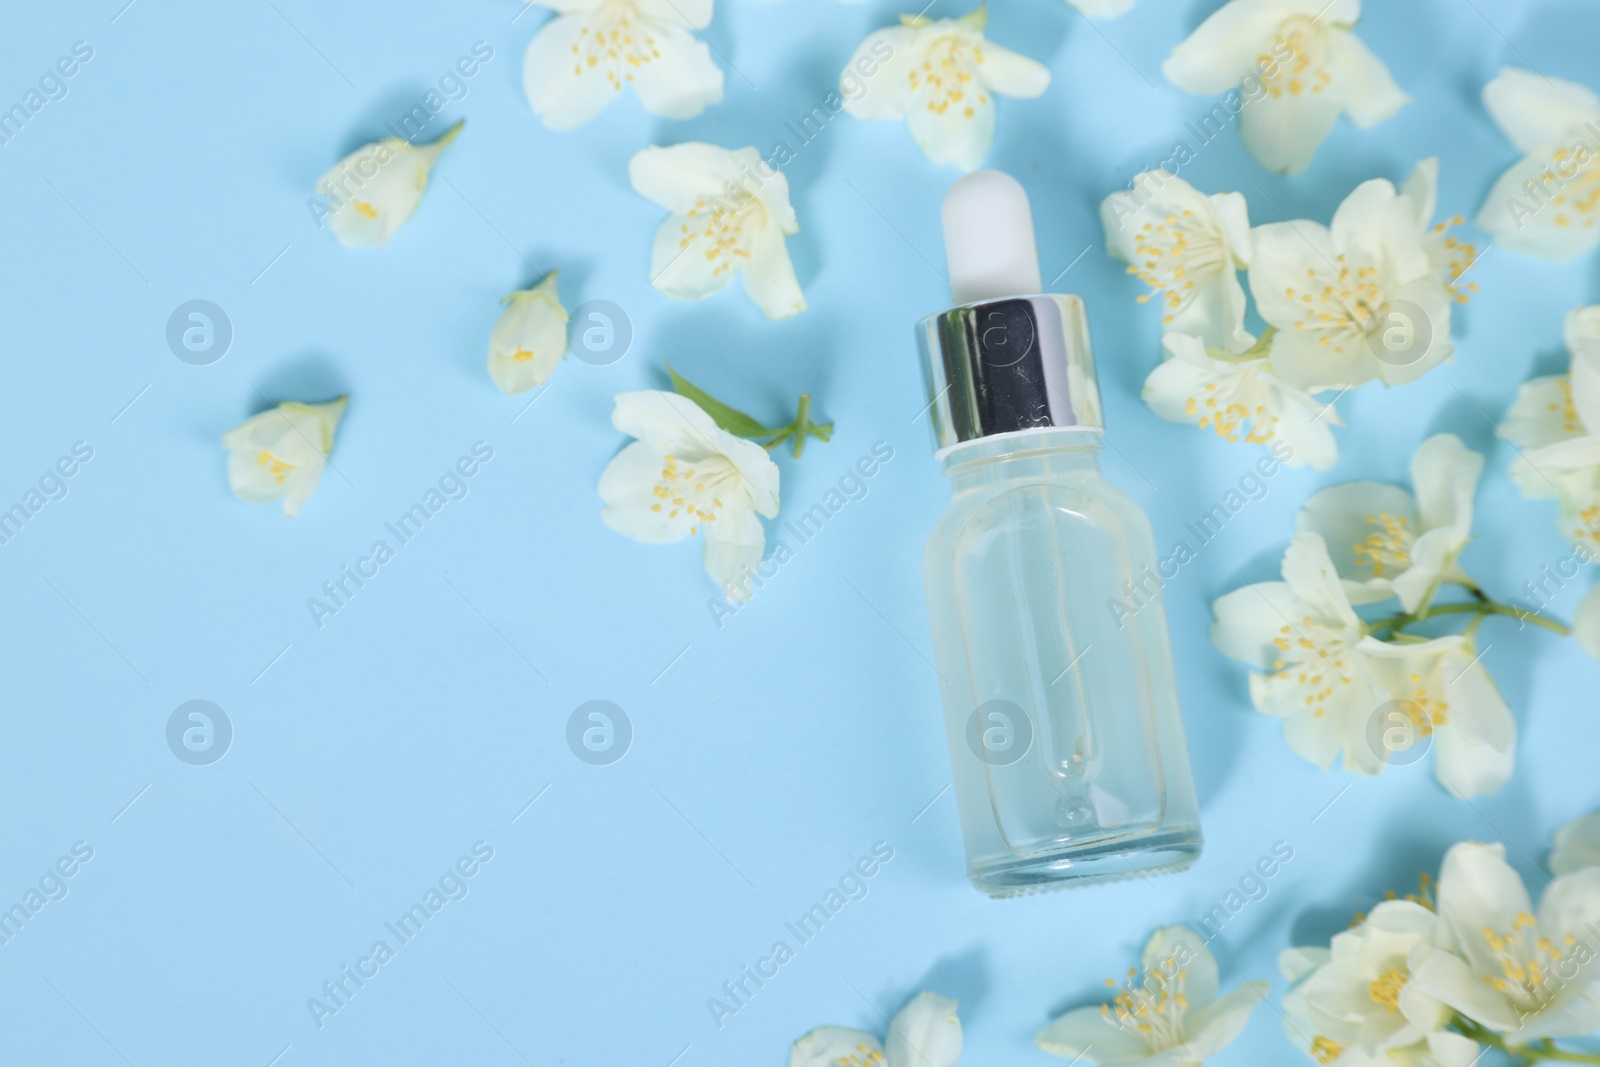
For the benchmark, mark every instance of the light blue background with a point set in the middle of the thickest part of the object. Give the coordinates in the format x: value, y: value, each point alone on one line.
x: 775, y: 750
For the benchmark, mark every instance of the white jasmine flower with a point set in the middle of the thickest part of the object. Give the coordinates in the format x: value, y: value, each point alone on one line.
x: 1555, y: 424
x: 1238, y: 393
x: 279, y: 454
x: 1304, y: 634
x: 579, y: 61
x: 1300, y: 65
x: 1440, y: 690
x: 1577, y: 845
x: 529, y: 339
x: 941, y: 77
x: 1172, y: 1018
x: 1189, y: 248
x: 1529, y: 976
x: 685, y: 475
x: 730, y: 213
x: 1357, y: 995
x: 1102, y: 9
x: 925, y: 1033
x: 1548, y: 203
x: 1386, y: 542
x: 376, y: 188
x: 1356, y: 301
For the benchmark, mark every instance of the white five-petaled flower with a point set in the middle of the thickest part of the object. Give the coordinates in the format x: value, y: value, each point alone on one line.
x: 529, y: 339
x: 924, y: 1033
x: 376, y: 188
x: 685, y: 475
x: 1341, y: 690
x: 1303, y: 632
x: 1548, y: 203
x: 579, y: 61
x: 1528, y: 975
x: 1238, y: 393
x: 1188, y: 248
x: 1555, y: 424
x: 730, y: 213
x: 1354, y: 1001
x: 1440, y: 691
x: 941, y: 76
x: 1386, y: 542
x: 1298, y: 65
x: 280, y: 453
x: 1172, y: 1018
x: 1359, y: 300
x: 1577, y: 845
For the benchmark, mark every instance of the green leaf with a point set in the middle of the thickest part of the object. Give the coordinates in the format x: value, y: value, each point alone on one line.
x: 731, y: 419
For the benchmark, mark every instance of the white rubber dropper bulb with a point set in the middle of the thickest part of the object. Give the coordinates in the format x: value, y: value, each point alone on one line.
x: 988, y: 239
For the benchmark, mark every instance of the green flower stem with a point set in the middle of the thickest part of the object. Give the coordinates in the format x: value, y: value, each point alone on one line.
x: 739, y: 424
x: 1478, y: 608
x: 798, y: 430
x: 802, y: 423
x: 1543, y: 1052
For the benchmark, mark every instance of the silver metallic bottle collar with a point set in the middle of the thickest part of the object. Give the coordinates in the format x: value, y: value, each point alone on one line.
x: 1008, y: 366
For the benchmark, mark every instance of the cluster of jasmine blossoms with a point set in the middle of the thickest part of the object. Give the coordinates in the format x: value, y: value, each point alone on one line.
x: 697, y: 467
x: 1367, y: 298
x: 1437, y: 980
x: 1371, y: 691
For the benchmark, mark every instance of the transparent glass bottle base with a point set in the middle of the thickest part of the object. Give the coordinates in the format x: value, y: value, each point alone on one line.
x: 1151, y: 852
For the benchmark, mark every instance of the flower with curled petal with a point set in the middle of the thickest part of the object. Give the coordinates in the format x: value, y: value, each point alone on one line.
x: 1548, y: 203
x: 941, y: 76
x: 580, y: 60
x: 924, y: 1033
x: 1300, y: 66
